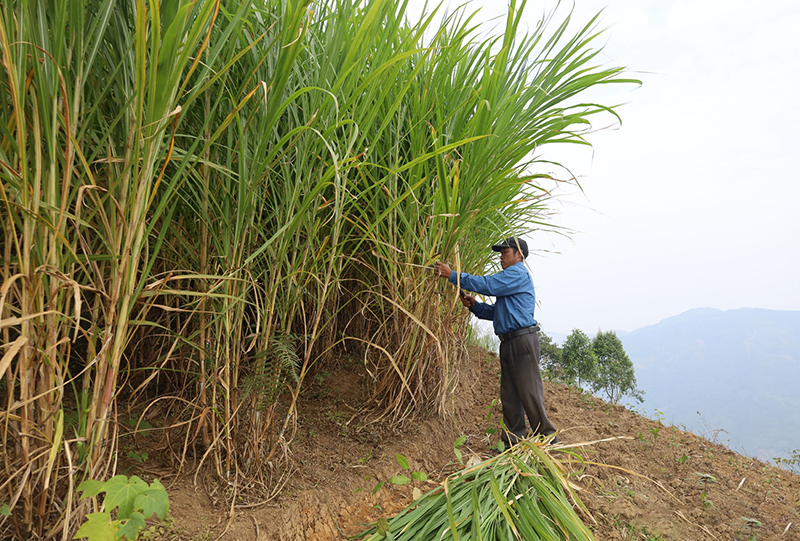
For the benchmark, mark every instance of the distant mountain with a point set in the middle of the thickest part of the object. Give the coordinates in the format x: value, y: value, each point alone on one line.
x: 736, y: 371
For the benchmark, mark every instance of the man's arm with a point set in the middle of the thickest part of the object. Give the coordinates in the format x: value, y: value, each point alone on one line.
x: 506, y: 282
x: 483, y: 310
x: 480, y: 309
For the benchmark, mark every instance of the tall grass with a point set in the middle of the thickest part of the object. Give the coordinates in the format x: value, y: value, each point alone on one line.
x: 90, y: 96
x: 203, y: 200
x: 457, y: 167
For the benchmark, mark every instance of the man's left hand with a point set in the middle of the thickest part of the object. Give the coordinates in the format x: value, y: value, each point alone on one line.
x: 442, y: 270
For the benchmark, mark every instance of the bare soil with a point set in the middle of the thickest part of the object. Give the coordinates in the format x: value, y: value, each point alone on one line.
x: 651, y: 482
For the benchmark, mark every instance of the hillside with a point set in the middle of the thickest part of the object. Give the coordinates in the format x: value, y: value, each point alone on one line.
x: 735, y: 371
x: 672, y: 484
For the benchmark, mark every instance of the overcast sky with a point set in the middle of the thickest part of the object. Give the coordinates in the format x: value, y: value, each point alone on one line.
x: 693, y: 201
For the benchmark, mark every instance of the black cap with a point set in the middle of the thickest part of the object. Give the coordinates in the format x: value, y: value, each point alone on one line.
x: 512, y: 242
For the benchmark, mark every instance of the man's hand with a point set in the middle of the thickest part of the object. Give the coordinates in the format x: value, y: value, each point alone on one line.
x: 442, y: 270
x: 468, y: 300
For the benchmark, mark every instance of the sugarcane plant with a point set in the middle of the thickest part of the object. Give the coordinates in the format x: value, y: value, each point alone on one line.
x: 459, y: 164
x: 92, y: 95
x: 204, y: 201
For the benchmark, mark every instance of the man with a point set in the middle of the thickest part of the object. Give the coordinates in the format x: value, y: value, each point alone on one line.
x: 521, y: 388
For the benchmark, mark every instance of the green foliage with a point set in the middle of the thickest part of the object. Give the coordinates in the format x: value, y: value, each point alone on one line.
x: 403, y: 462
x: 461, y: 440
x: 550, y: 356
x: 578, y: 359
x: 99, y: 527
x: 614, y: 374
x: 792, y: 463
x: 141, y: 458
x: 600, y: 363
x: 134, y: 500
x: 273, y: 364
x: 477, y: 337
x: 402, y: 479
x: 521, y: 494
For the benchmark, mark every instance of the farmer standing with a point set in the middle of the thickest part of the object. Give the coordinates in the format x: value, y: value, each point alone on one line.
x: 521, y: 388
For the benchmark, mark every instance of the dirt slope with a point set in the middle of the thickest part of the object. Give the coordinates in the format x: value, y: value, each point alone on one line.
x: 677, y: 485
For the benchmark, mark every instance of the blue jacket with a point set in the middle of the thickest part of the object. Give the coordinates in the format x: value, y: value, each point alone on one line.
x: 516, y: 299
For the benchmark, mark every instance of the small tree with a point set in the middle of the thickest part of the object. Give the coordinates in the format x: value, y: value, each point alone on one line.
x: 615, y: 375
x: 578, y: 360
x: 550, y: 356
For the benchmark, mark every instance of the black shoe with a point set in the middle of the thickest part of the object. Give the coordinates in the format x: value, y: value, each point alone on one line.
x: 554, y: 441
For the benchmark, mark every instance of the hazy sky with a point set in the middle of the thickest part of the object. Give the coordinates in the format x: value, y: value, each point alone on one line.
x: 693, y: 201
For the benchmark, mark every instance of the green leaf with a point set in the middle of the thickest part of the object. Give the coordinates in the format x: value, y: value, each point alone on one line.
x: 5, y: 510
x: 122, y: 492
x: 154, y: 501
x: 130, y: 528
x: 400, y: 480
x: 378, y: 487
x: 459, y: 456
x: 90, y: 488
x: 461, y: 440
x: 403, y: 462
x: 706, y: 477
x: 419, y: 476
x: 383, y: 529
x: 98, y: 527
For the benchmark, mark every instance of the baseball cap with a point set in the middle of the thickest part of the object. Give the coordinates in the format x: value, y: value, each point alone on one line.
x: 512, y: 242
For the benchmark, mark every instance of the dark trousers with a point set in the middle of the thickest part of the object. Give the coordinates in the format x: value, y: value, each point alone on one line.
x: 521, y: 388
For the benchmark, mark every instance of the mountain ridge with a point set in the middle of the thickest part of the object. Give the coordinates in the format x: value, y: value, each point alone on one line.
x: 736, y: 370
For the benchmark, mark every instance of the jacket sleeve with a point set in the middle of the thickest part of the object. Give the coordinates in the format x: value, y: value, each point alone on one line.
x: 506, y: 282
x: 483, y: 311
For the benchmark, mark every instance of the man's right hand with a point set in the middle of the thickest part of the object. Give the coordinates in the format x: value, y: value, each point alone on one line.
x: 469, y: 301
x: 442, y: 270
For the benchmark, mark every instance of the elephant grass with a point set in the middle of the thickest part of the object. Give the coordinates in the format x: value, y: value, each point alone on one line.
x: 203, y: 200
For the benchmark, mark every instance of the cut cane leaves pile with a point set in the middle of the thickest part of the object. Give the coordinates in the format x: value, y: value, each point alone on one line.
x: 523, y: 493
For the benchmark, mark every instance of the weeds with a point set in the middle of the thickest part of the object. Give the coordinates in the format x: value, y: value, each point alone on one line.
x: 134, y: 502
x: 401, y: 479
x: 792, y: 463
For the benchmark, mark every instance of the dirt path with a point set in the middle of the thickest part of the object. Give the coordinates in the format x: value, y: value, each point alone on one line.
x: 657, y: 483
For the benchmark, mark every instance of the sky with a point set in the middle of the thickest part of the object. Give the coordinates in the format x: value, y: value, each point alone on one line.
x: 693, y: 200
